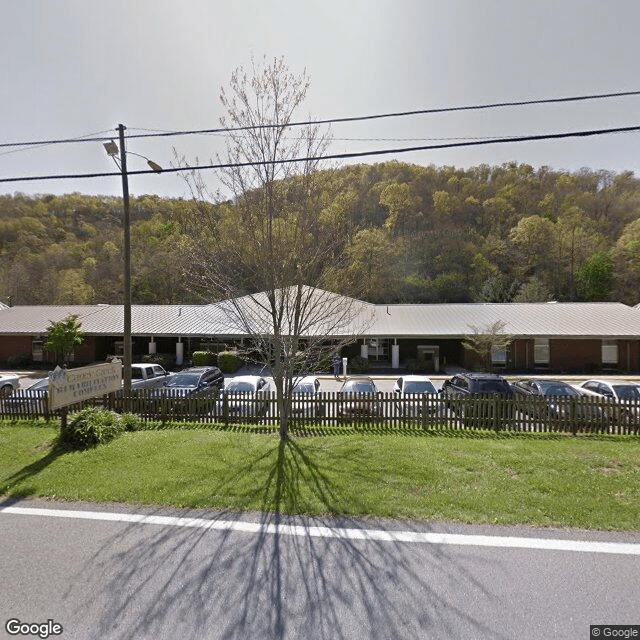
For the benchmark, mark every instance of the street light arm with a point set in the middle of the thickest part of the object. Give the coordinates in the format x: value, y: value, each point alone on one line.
x: 112, y: 150
x: 154, y: 165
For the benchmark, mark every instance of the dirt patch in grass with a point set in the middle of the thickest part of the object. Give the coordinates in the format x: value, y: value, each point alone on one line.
x: 613, y: 466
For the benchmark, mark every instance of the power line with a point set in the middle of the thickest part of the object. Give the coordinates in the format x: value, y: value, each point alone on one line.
x: 42, y: 143
x: 341, y: 156
x: 476, y: 107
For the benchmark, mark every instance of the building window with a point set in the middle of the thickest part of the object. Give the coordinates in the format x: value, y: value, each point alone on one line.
x: 498, y: 356
x: 610, y: 352
x: 36, y: 350
x: 378, y: 348
x: 541, y: 351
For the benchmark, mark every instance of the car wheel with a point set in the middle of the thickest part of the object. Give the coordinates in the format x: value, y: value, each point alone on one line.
x: 6, y: 390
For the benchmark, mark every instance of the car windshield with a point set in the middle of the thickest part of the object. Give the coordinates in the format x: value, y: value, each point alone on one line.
x: 555, y: 390
x: 304, y: 387
x: 239, y: 386
x: 184, y: 380
x: 419, y: 386
x: 627, y: 391
x: 358, y: 386
x: 490, y: 386
x: 40, y: 385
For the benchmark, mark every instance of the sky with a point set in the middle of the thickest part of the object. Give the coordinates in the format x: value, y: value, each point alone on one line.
x: 78, y: 68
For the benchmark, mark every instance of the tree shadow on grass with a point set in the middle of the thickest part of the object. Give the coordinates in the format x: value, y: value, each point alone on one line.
x: 20, y: 478
x: 288, y: 577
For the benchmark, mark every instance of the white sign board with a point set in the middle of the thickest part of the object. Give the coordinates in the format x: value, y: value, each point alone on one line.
x: 68, y: 386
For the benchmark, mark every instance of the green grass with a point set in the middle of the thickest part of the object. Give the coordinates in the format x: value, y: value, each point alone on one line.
x: 542, y: 480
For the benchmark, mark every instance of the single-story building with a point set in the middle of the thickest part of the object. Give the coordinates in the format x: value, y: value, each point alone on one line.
x: 555, y: 336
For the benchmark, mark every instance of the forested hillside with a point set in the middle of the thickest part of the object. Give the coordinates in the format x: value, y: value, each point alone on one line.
x: 407, y: 234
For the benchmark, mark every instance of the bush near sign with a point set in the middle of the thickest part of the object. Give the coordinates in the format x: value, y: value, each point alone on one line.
x: 68, y: 386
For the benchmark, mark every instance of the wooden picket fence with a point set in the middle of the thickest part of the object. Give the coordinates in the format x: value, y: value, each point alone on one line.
x: 564, y: 414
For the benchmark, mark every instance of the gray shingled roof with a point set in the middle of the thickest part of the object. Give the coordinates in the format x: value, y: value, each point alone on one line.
x: 577, y: 319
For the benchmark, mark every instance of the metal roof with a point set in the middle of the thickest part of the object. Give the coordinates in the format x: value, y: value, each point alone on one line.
x: 147, y: 320
x: 231, y: 318
x: 540, y: 319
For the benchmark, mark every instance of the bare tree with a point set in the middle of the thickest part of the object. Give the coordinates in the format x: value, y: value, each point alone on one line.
x: 270, y: 253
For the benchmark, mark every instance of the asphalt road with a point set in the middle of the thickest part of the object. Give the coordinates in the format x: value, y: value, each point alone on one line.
x: 107, y: 577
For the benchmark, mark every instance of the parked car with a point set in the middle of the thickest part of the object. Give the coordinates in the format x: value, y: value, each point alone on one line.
x: 33, y: 399
x: 623, y: 397
x: 245, y: 396
x: 463, y: 392
x: 194, y: 390
x: 306, y: 401
x: 147, y: 375
x: 196, y: 381
x: 618, y: 390
x: 358, y: 397
x: 410, y: 391
x: 8, y: 384
x: 553, y: 404
x: 464, y: 384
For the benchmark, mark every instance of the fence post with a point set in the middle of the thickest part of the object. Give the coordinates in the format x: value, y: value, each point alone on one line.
x: 572, y: 416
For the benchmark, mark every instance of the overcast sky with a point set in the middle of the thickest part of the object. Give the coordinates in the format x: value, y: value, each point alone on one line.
x: 72, y: 68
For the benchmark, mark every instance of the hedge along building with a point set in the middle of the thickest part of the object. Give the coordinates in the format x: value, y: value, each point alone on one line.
x: 555, y: 336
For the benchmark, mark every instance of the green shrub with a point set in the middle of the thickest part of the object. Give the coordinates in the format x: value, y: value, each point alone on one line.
x: 204, y: 358
x: 164, y: 360
x: 360, y: 364
x: 90, y: 427
x: 18, y: 361
x: 229, y: 361
x: 131, y: 422
x: 325, y: 364
x: 416, y: 365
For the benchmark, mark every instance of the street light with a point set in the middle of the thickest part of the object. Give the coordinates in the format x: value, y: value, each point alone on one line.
x: 112, y: 150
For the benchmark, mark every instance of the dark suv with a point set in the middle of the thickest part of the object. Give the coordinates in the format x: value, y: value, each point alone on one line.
x: 193, y: 390
x: 477, y: 399
x: 196, y: 381
x: 476, y: 384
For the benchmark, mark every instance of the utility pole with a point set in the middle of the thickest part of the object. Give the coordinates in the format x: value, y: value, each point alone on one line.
x: 112, y: 150
x: 127, y: 265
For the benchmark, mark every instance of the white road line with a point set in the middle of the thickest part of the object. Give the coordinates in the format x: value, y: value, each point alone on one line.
x: 547, y: 544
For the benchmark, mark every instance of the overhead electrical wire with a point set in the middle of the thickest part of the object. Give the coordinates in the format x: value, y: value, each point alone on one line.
x: 43, y: 143
x: 476, y: 107
x: 340, y: 156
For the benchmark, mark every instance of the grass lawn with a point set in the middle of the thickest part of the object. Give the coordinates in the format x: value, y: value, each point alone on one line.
x: 543, y: 480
